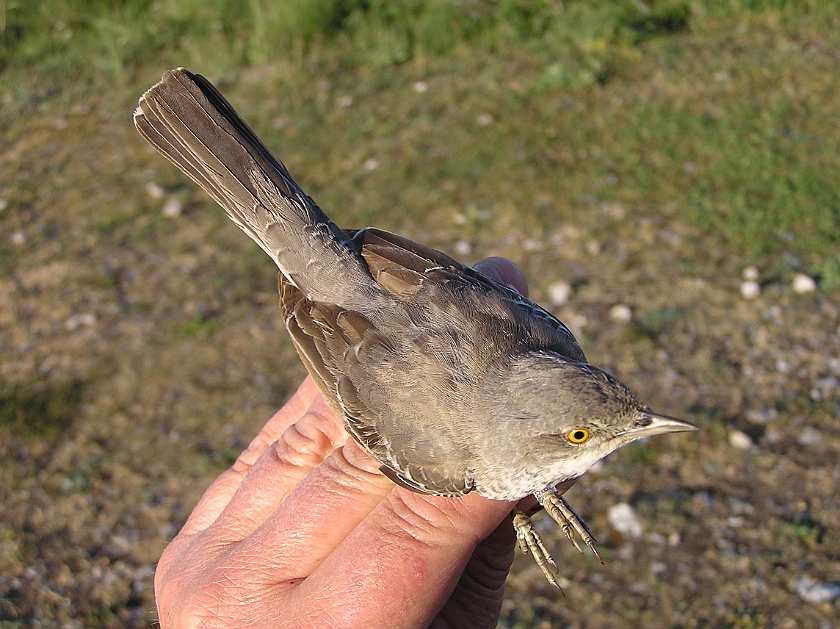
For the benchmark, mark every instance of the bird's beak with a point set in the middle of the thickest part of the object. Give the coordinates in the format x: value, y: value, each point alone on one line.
x: 650, y: 423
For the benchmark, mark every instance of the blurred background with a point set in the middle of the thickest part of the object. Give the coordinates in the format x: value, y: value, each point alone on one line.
x: 664, y: 171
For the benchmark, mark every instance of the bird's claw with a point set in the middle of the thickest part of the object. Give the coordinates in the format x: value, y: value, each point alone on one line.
x: 529, y: 540
x: 569, y: 521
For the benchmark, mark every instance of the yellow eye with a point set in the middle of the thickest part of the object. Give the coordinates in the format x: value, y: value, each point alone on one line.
x: 578, y: 436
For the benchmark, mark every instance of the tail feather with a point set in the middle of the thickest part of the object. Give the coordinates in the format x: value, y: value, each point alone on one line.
x: 191, y: 124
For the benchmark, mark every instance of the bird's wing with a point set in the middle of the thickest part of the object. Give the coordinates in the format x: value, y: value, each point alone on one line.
x: 404, y: 267
x: 342, y: 350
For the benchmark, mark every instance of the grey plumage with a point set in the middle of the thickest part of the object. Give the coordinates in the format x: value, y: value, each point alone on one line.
x: 450, y: 380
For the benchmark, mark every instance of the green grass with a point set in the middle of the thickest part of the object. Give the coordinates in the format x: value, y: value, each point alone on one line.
x: 742, y: 141
x: 685, y: 143
x: 39, y: 410
x: 200, y: 324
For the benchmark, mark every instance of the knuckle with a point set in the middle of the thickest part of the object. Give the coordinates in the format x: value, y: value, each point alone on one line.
x: 426, y: 520
x: 306, y: 443
x: 351, y: 471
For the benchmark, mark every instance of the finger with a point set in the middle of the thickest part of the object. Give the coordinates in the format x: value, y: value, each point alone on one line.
x: 219, y: 494
x: 503, y: 271
x: 316, y: 516
x: 477, y: 599
x: 297, y: 406
x: 400, y: 565
x: 265, y: 566
x: 281, y: 467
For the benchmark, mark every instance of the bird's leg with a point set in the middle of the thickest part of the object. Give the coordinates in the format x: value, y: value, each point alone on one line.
x: 529, y: 540
x: 571, y: 523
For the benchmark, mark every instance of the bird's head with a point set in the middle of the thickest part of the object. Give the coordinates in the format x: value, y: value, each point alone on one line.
x: 575, y: 414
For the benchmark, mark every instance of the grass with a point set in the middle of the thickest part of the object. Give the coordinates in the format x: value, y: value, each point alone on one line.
x: 39, y: 410
x: 681, y: 141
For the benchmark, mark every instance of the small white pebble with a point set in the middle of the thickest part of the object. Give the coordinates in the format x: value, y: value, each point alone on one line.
x: 370, y: 164
x: 614, y: 210
x: 827, y: 384
x: 344, y: 101
x: 559, y: 293
x: 621, y: 313
x: 674, y: 539
x: 783, y: 366
x: 420, y: 87
x: 172, y: 208
x: 761, y: 415
x: 655, y: 538
x: 484, y: 119
x: 463, y: 247
x: 532, y: 244
x: 4, y: 203
x: 740, y: 507
x: 735, y: 521
x: 774, y: 313
x: 811, y: 591
x: 155, y: 191
x: 740, y: 440
x: 657, y: 567
x: 750, y: 290
x: 772, y: 436
x: 809, y: 436
x: 17, y: 237
x: 78, y: 320
x: 750, y: 274
x: 593, y: 248
x: 803, y: 284
x: 622, y: 517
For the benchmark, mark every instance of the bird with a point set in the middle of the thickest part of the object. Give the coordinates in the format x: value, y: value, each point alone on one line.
x: 451, y: 381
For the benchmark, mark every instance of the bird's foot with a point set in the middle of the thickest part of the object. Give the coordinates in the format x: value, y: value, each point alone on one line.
x: 569, y: 521
x: 529, y: 540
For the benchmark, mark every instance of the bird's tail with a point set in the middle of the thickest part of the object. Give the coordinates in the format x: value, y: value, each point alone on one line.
x: 191, y: 124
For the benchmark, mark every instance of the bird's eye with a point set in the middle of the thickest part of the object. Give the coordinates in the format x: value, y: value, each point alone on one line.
x: 578, y: 435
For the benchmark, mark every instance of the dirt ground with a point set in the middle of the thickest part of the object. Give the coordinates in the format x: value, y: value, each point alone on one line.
x: 142, y: 349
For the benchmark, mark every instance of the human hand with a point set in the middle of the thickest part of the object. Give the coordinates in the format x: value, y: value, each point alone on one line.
x: 303, y: 530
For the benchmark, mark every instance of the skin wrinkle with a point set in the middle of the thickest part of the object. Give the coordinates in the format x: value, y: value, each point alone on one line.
x: 209, y: 605
x: 352, y: 607
x: 333, y: 617
x: 299, y: 407
x: 320, y: 419
x: 297, y: 449
x: 414, y: 518
x: 356, y: 458
x: 417, y: 569
x: 291, y: 458
x: 281, y: 543
x: 396, y: 560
